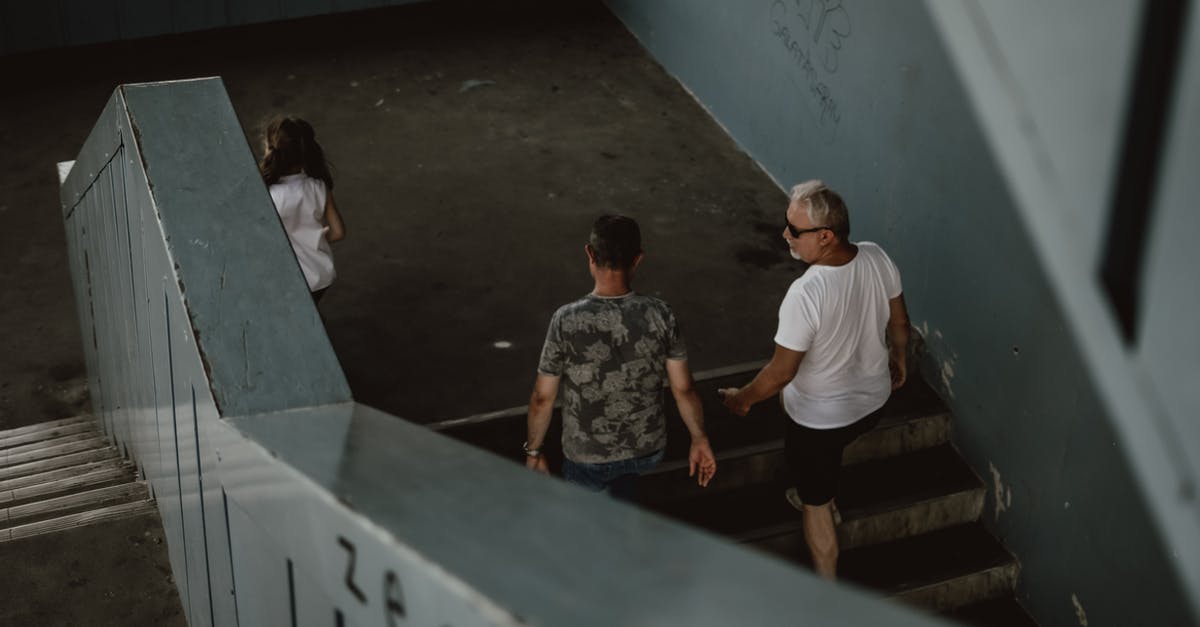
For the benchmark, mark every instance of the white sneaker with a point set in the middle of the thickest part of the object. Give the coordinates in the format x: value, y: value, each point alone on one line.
x: 793, y: 499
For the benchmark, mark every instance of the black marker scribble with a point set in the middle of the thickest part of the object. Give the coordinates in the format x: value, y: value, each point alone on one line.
x: 393, y: 595
x: 813, y: 33
x: 350, y: 585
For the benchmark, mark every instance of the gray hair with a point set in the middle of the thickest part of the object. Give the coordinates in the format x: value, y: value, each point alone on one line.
x: 824, y: 206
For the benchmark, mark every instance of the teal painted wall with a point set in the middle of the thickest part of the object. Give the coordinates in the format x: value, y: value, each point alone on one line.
x: 866, y: 96
x: 27, y: 25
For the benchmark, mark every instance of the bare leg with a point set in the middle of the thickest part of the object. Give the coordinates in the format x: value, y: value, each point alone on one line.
x: 821, y: 536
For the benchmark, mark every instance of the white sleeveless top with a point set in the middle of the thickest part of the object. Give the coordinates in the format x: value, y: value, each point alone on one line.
x: 300, y: 201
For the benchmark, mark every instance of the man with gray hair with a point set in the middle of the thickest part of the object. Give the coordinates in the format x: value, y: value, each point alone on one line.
x: 832, y: 366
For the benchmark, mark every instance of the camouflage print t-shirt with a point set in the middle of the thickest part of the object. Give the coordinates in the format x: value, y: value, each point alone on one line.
x: 611, y: 353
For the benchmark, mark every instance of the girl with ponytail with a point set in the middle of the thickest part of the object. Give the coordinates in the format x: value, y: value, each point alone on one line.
x: 294, y: 168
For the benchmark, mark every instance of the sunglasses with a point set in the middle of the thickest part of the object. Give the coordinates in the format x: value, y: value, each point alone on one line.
x: 798, y: 232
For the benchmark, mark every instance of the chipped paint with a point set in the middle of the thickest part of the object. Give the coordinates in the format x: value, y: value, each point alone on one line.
x: 1002, y: 495
x: 1079, y: 613
x: 947, y: 374
x: 946, y: 367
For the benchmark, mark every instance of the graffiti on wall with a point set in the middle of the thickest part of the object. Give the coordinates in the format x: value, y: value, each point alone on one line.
x: 813, y: 34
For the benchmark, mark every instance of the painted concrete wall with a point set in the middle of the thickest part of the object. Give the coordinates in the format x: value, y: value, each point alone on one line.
x: 27, y: 25
x: 870, y: 97
x: 1041, y: 100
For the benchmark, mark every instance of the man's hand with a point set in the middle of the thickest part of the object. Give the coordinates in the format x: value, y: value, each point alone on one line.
x: 702, y: 464
x: 769, y: 381
x: 733, y: 401
x: 537, y: 464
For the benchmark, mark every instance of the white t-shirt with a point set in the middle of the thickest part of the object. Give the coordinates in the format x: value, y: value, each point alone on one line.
x: 837, y: 315
x: 300, y: 201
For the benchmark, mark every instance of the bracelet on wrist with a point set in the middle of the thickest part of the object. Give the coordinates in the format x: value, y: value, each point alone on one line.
x: 531, y: 452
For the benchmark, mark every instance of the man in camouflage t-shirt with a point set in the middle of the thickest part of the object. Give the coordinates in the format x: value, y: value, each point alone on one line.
x: 613, y: 351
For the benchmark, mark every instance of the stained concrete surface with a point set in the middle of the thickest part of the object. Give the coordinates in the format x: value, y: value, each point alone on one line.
x: 473, y: 144
x: 112, y: 574
x: 467, y: 208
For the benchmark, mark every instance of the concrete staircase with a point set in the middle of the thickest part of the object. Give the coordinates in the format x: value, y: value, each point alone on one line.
x: 909, y: 504
x: 61, y: 475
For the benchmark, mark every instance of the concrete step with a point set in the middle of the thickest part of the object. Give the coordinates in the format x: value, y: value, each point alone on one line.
x: 73, y: 503
x: 37, y: 452
x: 61, y: 473
x: 45, y: 426
x: 80, y: 426
x: 909, y: 503
x: 105, y: 453
x: 915, y: 416
x: 940, y: 571
x: 52, y: 443
x: 81, y: 480
x: 879, y: 501
x: 55, y: 459
x: 896, y: 434
x: 79, y: 519
x: 1006, y: 612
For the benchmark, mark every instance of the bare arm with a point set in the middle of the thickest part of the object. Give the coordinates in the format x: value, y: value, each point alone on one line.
x: 897, y: 334
x: 337, y: 228
x: 686, y: 398
x: 541, y: 409
x: 700, y: 457
x: 767, y: 383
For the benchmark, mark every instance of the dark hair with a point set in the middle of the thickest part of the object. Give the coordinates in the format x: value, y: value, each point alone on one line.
x: 292, y: 147
x: 615, y: 242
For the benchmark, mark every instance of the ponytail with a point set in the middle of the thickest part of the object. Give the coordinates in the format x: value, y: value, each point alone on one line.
x: 291, y: 146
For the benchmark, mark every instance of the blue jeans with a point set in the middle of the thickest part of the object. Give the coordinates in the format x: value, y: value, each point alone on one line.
x: 618, y: 478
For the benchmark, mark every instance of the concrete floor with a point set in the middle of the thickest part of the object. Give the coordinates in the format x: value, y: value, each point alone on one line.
x: 467, y: 207
x: 112, y: 574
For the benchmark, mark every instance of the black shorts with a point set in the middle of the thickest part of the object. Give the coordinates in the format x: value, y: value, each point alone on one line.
x: 814, y: 456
